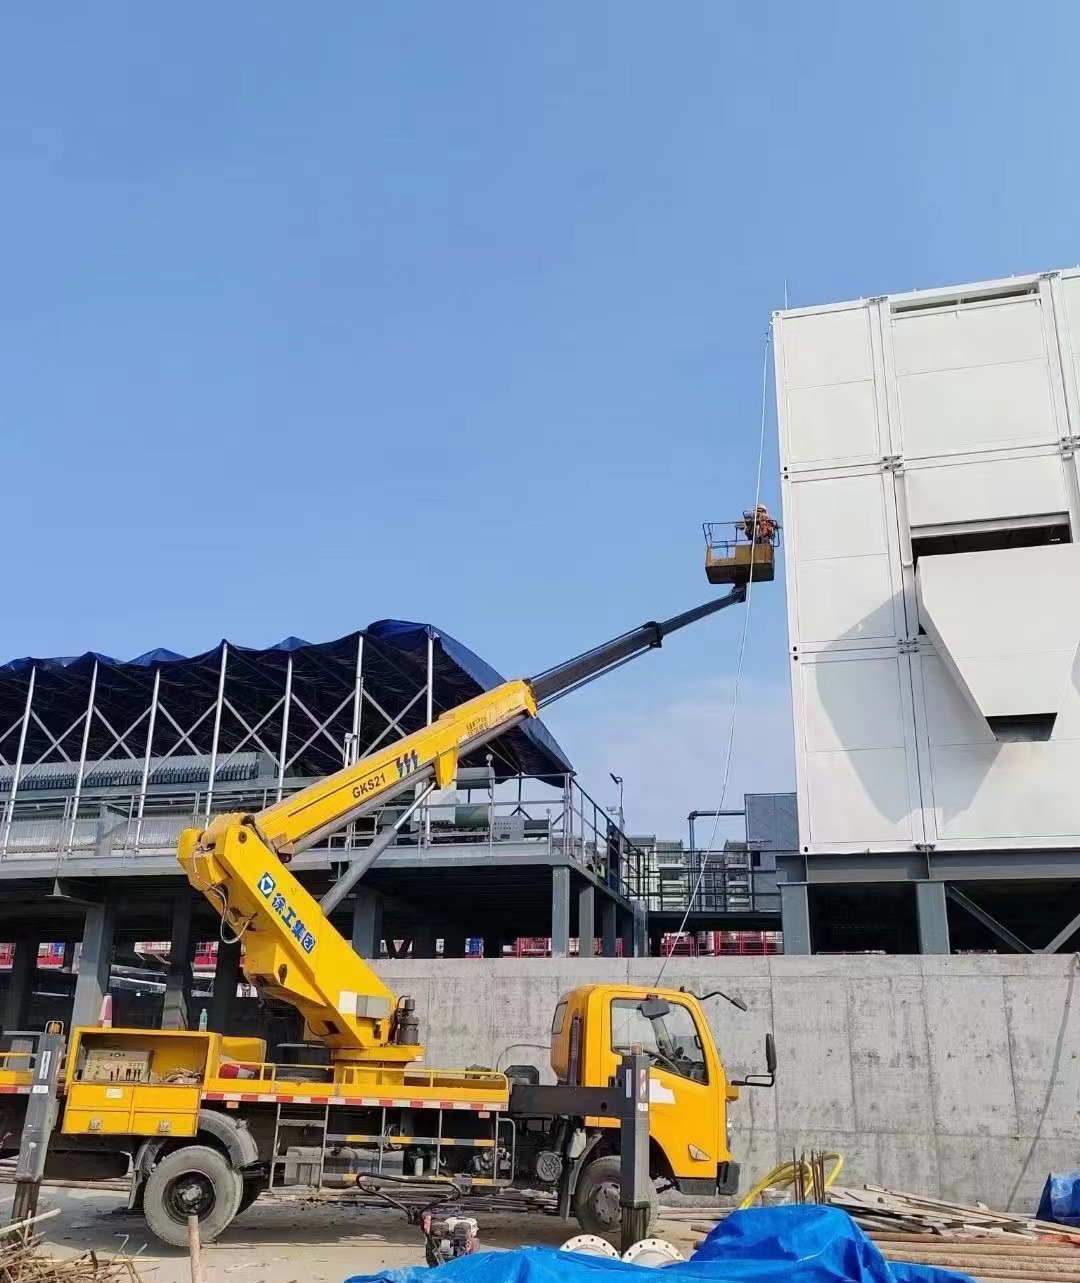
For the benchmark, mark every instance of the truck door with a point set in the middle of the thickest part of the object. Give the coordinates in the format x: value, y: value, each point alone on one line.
x: 686, y: 1083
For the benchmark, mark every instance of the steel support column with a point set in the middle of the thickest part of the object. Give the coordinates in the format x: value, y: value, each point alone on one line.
x: 423, y: 941
x: 217, y: 728
x: 429, y: 710
x: 285, y: 730
x: 587, y: 921
x: 367, y: 925
x: 92, y: 983
x: 226, y: 978
x: 358, y: 702
x: 641, y: 928
x: 82, y: 757
x: 429, y: 717
x: 626, y: 931
x: 795, y: 918
x: 454, y: 944
x: 20, y: 988
x: 176, y: 1011
x: 609, y: 927
x: 17, y: 773
x: 144, y: 783
x: 560, y: 911
x: 932, y: 917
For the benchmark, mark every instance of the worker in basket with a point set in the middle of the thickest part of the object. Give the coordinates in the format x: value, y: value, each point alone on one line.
x: 758, y: 526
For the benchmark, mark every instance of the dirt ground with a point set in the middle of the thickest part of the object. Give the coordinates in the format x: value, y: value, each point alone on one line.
x: 274, y: 1241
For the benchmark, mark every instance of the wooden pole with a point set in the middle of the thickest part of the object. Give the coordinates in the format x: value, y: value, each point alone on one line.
x: 194, y: 1251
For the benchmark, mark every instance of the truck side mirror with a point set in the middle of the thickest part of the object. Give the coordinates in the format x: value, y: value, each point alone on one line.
x: 767, y: 1079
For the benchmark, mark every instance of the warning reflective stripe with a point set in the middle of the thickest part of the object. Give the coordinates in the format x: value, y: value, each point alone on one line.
x: 485, y: 1107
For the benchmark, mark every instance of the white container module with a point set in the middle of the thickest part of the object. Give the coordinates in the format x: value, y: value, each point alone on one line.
x: 931, y: 510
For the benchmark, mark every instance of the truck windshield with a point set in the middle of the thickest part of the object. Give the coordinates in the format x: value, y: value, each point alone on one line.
x: 670, y: 1041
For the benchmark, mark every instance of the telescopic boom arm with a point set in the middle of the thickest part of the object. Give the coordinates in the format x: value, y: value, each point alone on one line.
x: 291, y: 951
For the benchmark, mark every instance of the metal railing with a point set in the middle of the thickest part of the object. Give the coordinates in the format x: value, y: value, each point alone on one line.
x: 723, y: 537
x: 729, y: 883
x: 512, y: 816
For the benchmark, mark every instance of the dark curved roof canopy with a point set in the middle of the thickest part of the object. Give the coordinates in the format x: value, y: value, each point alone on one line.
x: 324, y: 678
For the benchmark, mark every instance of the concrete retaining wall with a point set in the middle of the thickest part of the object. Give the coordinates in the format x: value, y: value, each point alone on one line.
x: 956, y: 1077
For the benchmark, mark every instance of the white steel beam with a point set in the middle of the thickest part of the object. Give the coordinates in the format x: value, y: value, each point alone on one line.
x: 119, y: 737
x: 10, y: 809
x: 393, y: 723
x: 185, y: 736
x: 358, y: 704
x: 284, y: 731
x: 217, y: 727
x: 54, y: 742
x: 82, y: 757
x: 320, y: 727
x: 147, y: 758
x: 252, y: 731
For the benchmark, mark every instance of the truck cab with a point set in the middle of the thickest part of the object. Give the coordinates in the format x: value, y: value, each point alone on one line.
x: 689, y: 1091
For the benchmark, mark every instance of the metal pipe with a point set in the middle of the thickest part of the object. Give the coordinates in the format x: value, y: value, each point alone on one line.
x: 358, y: 701
x: 19, y: 757
x: 695, y: 815
x: 146, y: 763
x: 430, y: 715
x: 369, y: 855
x: 430, y: 679
x: 284, y: 730
x: 217, y: 729
x: 82, y: 757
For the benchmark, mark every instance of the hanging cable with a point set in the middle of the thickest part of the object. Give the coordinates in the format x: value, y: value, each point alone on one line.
x: 738, y: 670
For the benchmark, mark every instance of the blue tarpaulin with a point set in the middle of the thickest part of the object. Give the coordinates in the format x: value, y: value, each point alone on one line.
x: 810, y: 1244
x: 1060, y: 1200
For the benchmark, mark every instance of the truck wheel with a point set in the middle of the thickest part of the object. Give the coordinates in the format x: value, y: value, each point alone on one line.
x: 195, y: 1180
x: 253, y: 1187
x: 596, y: 1199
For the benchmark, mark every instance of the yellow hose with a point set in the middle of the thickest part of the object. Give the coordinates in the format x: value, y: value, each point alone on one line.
x: 783, y: 1177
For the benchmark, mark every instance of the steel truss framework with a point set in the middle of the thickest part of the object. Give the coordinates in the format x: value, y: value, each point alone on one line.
x: 307, y: 709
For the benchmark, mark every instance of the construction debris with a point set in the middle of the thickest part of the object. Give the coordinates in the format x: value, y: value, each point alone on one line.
x: 23, y: 1260
x: 877, y: 1209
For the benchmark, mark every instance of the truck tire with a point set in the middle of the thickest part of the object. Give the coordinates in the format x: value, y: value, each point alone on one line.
x: 596, y: 1199
x: 192, y: 1180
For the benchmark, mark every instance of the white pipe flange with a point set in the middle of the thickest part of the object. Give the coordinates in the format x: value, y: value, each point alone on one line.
x: 653, y: 1252
x: 589, y: 1245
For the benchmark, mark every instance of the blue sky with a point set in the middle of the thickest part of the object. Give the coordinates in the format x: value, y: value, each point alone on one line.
x: 312, y: 315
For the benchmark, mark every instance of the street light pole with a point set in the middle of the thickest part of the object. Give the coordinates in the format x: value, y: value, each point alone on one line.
x: 618, y: 780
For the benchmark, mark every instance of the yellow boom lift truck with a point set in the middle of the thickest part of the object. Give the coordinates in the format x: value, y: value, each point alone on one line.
x: 203, y: 1124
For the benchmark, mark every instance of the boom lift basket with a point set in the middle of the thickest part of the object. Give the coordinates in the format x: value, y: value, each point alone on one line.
x: 732, y: 557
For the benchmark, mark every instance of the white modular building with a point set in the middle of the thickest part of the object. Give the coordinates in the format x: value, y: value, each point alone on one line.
x: 931, y: 512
